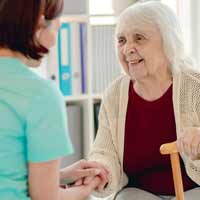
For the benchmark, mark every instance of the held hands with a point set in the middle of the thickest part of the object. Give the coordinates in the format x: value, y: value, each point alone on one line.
x: 85, y: 173
x: 189, y: 143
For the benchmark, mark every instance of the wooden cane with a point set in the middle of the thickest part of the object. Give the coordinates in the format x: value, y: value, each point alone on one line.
x: 171, y: 148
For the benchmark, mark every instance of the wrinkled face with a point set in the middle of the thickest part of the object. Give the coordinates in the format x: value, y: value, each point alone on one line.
x: 140, y: 50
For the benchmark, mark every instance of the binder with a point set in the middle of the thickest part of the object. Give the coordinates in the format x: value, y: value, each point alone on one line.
x: 75, y: 59
x: 96, y: 116
x: 83, y: 49
x: 64, y: 55
x: 104, y: 61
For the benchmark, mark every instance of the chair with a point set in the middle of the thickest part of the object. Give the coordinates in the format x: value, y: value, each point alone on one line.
x: 171, y: 148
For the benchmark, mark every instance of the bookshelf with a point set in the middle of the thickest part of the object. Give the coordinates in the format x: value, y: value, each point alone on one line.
x: 101, y: 65
x: 100, y: 31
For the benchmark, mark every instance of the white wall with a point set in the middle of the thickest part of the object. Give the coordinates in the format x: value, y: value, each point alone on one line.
x: 195, y: 29
x: 120, y: 5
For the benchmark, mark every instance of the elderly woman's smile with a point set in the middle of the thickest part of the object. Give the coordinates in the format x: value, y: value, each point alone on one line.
x: 135, y: 63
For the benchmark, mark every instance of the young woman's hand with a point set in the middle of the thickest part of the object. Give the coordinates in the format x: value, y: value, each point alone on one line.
x: 189, y: 143
x: 81, y: 192
x: 83, y: 172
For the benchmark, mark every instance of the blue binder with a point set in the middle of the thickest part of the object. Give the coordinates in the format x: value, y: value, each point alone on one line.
x: 64, y: 54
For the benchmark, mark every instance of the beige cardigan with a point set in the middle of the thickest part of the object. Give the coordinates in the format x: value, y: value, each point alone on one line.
x: 108, y: 147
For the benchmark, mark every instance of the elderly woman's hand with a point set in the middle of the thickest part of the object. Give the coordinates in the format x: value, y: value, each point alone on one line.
x: 189, y: 143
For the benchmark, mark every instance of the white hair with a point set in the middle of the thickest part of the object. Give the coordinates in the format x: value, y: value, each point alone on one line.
x: 163, y: 17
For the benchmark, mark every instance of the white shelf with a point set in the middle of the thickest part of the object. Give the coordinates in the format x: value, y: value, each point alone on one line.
x: 97, y: 97
x: 75, y: 18
x: 83, y: 97
x: 76, y: 98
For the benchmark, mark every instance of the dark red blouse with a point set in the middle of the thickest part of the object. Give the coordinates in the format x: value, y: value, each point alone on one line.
x: 148, y: 125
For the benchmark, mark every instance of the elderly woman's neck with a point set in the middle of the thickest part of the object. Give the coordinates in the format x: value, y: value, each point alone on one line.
x: 153, y: 88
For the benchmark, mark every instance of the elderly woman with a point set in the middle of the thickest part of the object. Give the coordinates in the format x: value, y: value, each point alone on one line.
x: 157, y: 101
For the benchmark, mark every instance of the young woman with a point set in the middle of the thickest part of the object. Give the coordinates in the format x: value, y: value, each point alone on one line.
x: 33, y: 123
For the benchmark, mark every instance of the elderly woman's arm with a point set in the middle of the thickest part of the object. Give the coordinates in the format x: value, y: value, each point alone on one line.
x: 189, y: 147
x: 104, y: 152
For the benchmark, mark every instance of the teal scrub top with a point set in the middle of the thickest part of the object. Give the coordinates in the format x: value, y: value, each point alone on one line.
x: 33, y: 125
